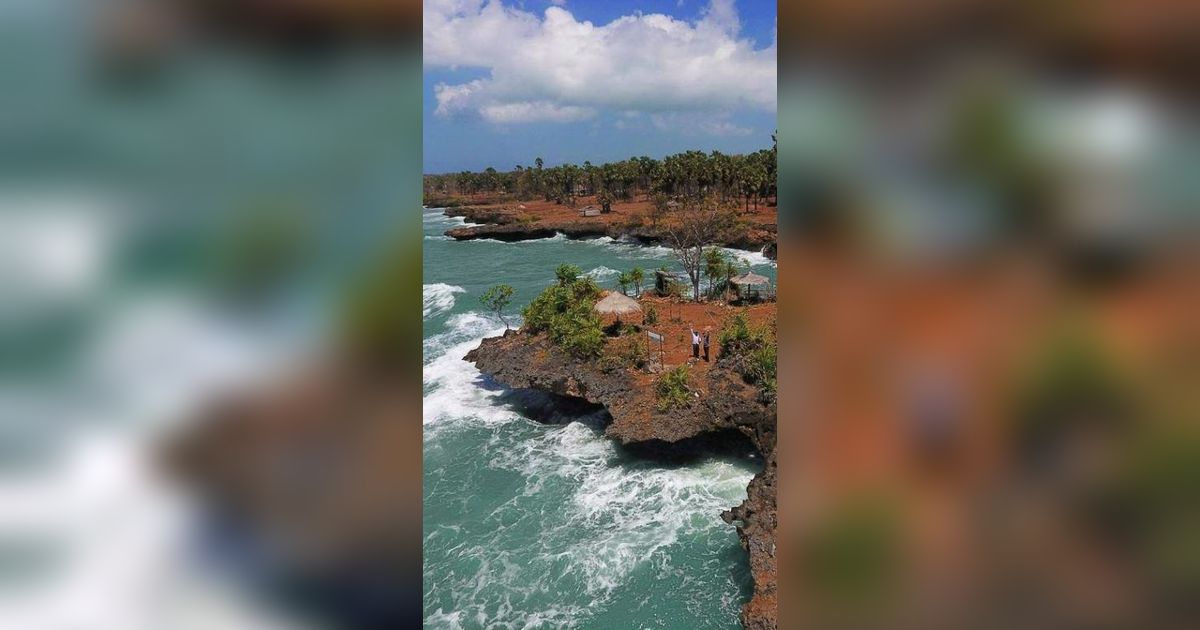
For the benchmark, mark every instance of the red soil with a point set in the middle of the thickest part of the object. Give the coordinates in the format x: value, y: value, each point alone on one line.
x: 622, y: 211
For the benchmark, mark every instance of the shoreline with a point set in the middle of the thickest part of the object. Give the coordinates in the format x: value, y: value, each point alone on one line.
x: 509, y: 224
x: 524, y: 361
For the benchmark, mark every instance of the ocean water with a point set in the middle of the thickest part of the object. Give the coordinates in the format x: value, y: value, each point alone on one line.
x: 119, y: 204
x: 532, y: 518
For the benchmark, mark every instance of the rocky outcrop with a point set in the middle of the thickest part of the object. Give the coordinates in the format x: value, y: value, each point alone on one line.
x: 529, y: 231
x: 723, y: 402
x: 509, y: 225
x: 486, y: 214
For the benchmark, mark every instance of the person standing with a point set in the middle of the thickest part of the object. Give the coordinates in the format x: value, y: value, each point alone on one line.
x: 695, y: 344
x: 707, y: 337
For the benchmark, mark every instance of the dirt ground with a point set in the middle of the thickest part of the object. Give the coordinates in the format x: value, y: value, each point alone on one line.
x: 676, y: 319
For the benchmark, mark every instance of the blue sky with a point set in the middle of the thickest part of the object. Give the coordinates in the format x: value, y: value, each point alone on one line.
x: 597, y: 80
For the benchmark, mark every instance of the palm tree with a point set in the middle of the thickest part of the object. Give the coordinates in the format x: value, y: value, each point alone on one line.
x: 714, y: 264
x: 636, y: 275
x: 624, y: 280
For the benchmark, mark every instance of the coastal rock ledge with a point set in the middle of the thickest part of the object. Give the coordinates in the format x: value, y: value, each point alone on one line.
x: 723, y: 403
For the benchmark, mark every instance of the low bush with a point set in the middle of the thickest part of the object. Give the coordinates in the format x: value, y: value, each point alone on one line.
x: 627, y: 352
x: 650, y: 317
x: 752, y: 352
x: 565, y: 312
x: 672, y: 389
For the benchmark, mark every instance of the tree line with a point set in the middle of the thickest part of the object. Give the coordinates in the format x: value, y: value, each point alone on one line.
x: 749, y: 179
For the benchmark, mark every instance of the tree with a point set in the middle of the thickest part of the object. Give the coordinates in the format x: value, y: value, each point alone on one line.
x: 659, y: 209
x: 496, y: 299
x: 605, y: 198
x: 624, y: 280
x: 714, y: 265
x: 566, y: 313
x: 566, y: 274
x: 728, y: 272
x: 636, y: 276
x: 694, y: 227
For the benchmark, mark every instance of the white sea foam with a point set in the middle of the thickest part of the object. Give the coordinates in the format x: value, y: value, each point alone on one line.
x: 438, y: 298
x: 116, y: 534
x: 437, y: 216
x: 582, y: 518
x: 558, y: 236
x: 756, y: 259
x: 453, y: 387
x: 627, y: 249
x: 602, y: 273
x: 618, y: 516
x: 54, y: 248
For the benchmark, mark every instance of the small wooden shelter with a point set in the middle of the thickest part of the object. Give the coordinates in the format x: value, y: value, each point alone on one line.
x: 618, y: 305
x: 751, y: 285
x: 589, y: 211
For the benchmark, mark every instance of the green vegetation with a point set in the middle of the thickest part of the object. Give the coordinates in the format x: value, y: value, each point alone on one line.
x: 566, y: 274
x: 636, y: 275
x: 625, y: 352
x: 749, y: 180
x: 1156, y: 501
x: 1072, y: 385
x: 496, y: 299
x: 650, y: 317
x: 377, y: 321
x: 623, y: 280
x: 565, y: 312
x: 262, y: 249
x: 751, y: 352
x: 853, y: 556
x: 715, y: 263
x: 672, y: 389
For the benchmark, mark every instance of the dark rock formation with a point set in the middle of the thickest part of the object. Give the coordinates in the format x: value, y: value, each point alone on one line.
x: 509, y: 224
x: 725, y: 403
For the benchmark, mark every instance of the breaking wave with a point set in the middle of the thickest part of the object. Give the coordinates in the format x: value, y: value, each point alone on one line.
x: 438, y: 298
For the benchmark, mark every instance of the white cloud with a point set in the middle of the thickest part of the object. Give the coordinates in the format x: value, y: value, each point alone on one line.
x: 556, y: 68
x: 696, y: 123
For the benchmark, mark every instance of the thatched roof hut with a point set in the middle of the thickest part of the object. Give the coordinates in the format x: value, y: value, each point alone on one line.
x: 618, y: 305
x: 750, y: 280
x: 751, y: 286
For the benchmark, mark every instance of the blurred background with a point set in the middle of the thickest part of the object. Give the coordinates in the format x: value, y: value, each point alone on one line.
x: 209, y: 322
x: 208, y: 211
x: 990, y: 293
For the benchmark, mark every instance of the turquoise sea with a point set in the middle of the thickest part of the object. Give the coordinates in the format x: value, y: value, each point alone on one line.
x: 532, y: 518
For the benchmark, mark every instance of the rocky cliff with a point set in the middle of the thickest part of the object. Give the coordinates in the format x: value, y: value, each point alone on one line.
x: 722, y: 402
x: 512, y: 224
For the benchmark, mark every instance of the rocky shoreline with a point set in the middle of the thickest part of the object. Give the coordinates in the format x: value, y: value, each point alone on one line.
x: 526, y: 361
x: 511, y: 225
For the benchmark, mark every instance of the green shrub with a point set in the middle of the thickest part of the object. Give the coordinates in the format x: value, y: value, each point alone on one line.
x: 627, y: 352
x: 650, y: 316
x: 734, y: 332
x: 1073, y: 382
x: 565, y: 312
x: 376, y: 319
x: 567, y: 274
x: 752, y: 352
x: 672, y: 389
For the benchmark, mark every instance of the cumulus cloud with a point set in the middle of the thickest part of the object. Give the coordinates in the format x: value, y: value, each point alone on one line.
x: 555, y: 68
x: 693, y: 123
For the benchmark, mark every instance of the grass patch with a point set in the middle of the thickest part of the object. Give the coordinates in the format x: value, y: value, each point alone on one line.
x: 672, y: 389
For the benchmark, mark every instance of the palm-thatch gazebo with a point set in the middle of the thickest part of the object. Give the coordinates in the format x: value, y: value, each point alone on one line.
x: 750, y: 285
x: 618, y: 306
